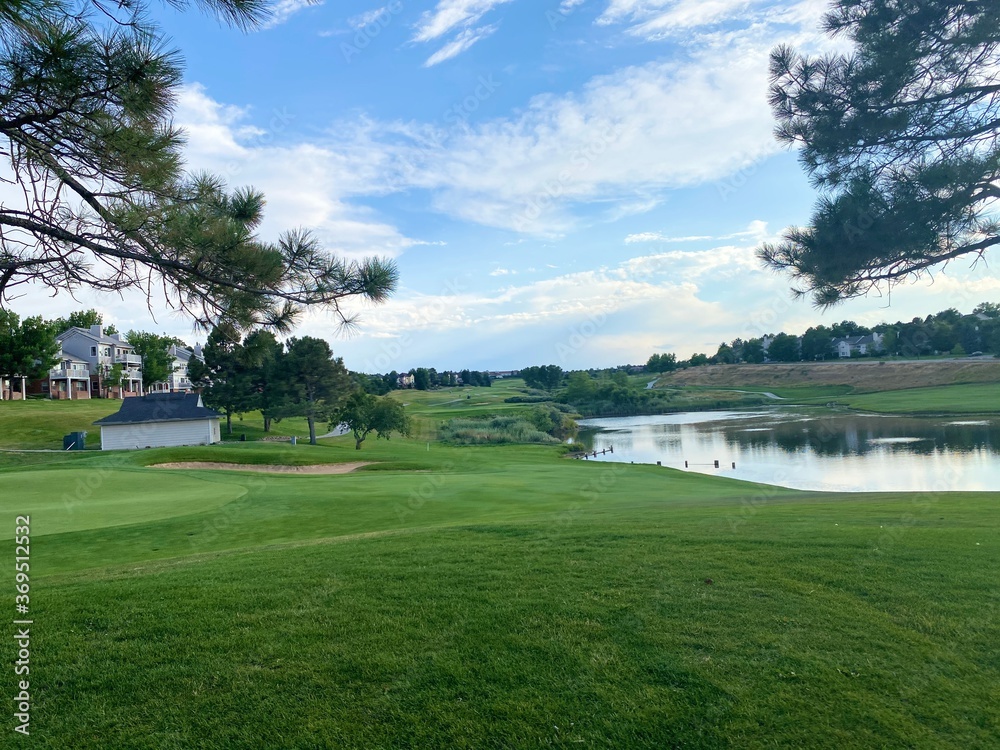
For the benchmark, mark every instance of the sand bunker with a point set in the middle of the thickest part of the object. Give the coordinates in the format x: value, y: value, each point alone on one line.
x: 266, y: 468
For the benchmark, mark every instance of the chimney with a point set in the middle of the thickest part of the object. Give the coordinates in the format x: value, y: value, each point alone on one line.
x: 97, y: 331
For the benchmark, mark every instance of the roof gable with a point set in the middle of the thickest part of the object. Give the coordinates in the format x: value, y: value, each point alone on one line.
x: 102, y: 339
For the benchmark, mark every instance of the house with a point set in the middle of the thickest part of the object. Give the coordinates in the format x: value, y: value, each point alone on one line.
x: 100, y: 352
x: 860, y: 345
x: 178, y: 381
x: 405, y: 380
x: 501, y: 374
x: 159, y: 420
x: 69, y: 379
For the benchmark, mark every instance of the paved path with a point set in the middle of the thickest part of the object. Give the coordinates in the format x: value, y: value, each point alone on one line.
x: 341, y: 430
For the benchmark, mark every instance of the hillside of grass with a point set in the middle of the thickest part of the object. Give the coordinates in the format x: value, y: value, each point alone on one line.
x: 978, y: 398
x: 40, y: 424
x: 495, y: 597
x: 859, y: 375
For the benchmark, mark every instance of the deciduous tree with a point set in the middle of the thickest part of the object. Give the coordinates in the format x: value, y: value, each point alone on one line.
x: 364, y: 413
x: 28, y: 348
x: 157, y: 364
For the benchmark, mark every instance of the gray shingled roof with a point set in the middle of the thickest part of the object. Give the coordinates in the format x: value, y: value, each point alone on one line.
x: 160, y: 407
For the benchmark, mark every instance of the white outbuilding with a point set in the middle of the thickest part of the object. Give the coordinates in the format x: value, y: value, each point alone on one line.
x: 160, y: 420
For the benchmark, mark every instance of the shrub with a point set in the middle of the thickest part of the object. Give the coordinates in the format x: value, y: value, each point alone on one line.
x: 494, y: 430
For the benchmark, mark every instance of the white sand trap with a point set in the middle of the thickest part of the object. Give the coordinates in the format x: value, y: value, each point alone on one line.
x: 267, y: 468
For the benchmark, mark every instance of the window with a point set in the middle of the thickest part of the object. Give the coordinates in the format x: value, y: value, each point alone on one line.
x: 45, y: 386
x: 93, y: 351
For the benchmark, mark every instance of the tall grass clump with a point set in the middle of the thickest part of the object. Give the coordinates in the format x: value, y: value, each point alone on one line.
x: 493, y: 430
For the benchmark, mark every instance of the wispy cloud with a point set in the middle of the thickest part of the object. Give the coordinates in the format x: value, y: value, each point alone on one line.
x: 363, y: 19
x: 455, y: 15
x: 757, y: 230
x: 306, y: 184
x: 285, y: 9
x: 450, y: 15
x: 659, y: 237
x: 528, y: 171
x: 657, y: 19
x: 459, y: 44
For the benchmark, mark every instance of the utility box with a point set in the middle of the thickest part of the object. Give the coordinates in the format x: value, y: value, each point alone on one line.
x: 75, y: 441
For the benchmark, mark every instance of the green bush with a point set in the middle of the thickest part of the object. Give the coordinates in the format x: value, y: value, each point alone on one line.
x: 494, y: 430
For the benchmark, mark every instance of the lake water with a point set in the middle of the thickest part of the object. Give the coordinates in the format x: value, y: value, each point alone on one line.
x: 811, y: 449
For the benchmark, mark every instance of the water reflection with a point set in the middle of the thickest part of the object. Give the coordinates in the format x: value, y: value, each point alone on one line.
x: 818, y: 449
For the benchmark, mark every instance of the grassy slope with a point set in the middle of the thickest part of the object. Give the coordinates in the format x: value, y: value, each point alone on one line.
x: 39, y: 424
x: 896, y: 387
x: 977, y: 398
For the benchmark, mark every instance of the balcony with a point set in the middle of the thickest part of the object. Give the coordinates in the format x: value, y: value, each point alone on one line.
x: 70, y: 372
x: 128, y: 359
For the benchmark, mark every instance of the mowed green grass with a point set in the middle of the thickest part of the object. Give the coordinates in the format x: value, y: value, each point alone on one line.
x: 970, y: 398
x: 503, y: 597
x: 39, y: 424
x: 74, y: 499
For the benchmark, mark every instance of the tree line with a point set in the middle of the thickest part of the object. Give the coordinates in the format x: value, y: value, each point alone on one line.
x: 945, y: 332
x: 424, y: 379
x: 297, y: 378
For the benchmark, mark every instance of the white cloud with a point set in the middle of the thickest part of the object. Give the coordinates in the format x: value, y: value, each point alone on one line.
x: 363, y: 19
x: 450, y: 15
x: 637, y: 131
x: 285, y: 9
x: 459, y: 44
x: 306, y: 185
x: 658, y: 237
x: 658, y: 19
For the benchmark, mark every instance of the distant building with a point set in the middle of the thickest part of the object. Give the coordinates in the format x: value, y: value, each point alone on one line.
x: 178, y: 381
x: 860, y: 345
x: 160, y: 420
x: 405, y: 380
x: 501, y: 374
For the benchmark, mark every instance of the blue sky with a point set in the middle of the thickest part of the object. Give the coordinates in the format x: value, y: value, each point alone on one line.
x: 578, y: 182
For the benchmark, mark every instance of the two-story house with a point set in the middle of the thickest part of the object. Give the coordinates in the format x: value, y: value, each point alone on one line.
x: 69, y: 379
x: 100, y: 352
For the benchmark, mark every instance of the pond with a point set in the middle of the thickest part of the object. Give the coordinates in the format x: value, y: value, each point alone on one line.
x: 811, y: 448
